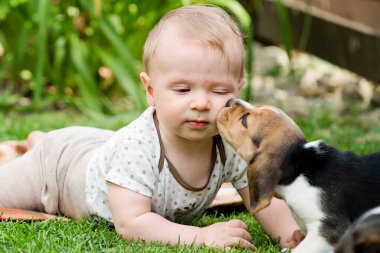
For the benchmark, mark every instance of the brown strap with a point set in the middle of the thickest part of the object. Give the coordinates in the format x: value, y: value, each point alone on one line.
x: 180, y: 179
x: 162, y: 152
x: 222, y: 151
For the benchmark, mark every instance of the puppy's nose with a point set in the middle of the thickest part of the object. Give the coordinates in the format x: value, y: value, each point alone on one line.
x: 229, y: 102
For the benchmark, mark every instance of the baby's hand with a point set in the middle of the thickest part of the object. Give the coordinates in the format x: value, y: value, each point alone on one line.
x: 295, y: 239
x: 226, y: 234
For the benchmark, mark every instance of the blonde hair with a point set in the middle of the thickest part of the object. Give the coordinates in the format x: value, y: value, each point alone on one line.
x: 206, y: 23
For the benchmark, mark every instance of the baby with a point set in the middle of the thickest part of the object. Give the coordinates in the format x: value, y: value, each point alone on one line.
x: 166, y: 167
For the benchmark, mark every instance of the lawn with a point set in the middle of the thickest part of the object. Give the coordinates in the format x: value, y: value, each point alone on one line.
x: 345, y: 132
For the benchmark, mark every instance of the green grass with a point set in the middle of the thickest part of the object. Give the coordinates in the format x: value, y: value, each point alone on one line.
x: 98, y: 236
x: 346, y: 133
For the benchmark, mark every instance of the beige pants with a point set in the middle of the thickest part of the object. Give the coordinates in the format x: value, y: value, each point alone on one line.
x: 51, y: 176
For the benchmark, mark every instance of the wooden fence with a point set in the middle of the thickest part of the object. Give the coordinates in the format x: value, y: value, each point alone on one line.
x: 343, y: 32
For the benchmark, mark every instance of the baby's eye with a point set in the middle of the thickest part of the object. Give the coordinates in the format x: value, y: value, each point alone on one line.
x: 182, y: 90
x: 220, y: 91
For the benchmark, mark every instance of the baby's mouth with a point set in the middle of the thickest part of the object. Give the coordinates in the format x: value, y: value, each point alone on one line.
x: 197, y: 124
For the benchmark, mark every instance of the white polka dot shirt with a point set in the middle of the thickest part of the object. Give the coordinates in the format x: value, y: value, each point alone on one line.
x: 131, y: 158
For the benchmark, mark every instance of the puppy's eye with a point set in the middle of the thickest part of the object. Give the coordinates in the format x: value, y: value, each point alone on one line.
x: 244, y: 120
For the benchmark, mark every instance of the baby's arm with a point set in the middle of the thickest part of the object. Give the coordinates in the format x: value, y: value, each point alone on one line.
x: 133, y: 220
x: 277, y: 221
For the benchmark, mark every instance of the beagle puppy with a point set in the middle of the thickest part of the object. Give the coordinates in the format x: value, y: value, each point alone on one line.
x: 325, y: 189
x: 363, y: 235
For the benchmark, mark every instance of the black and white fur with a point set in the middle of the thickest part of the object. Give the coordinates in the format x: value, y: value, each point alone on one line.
x: 327, y: 190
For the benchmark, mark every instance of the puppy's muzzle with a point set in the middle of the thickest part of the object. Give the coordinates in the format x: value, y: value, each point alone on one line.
x: 235, y: 101
x: 230, y: 102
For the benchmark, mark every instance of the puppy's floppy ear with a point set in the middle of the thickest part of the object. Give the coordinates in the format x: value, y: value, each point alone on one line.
x: 362, y: 236
x: 367, y: 239
x: 263, y: 176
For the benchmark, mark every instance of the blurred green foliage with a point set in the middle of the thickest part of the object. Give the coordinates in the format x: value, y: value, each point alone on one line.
x: 81, y: 53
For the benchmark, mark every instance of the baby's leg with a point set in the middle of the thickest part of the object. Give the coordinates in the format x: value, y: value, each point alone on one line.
x: 21, y: 183
x: 29, y: 181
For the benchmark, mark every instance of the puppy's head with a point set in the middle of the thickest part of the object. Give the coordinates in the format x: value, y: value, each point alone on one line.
x: 262, y: 137
x: 363, y: 235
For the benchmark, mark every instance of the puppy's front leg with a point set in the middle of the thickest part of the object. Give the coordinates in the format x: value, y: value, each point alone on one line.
x: 313, y: 243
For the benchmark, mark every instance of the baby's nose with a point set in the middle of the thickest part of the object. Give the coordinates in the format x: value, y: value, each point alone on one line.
x: 201, y: 102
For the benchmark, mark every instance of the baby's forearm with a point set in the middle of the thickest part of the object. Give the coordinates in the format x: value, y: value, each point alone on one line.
x: 152, y: 227
x: 134, y: 220
x: 277, y: 221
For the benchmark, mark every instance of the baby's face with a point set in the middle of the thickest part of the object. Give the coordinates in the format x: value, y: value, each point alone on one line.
x: 189, y: 83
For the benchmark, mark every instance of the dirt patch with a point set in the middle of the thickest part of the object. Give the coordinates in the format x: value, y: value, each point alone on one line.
x: 308, y: 82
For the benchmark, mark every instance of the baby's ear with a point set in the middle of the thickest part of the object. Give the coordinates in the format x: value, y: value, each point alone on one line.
x: 242, y: 82
x: 145, y: 80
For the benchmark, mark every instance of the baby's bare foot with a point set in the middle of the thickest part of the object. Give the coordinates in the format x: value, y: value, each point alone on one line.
x: 33, y: 138
x: 10, y: 150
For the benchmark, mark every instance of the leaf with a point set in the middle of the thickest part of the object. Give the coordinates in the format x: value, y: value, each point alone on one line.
x: 43, y: 15
x: 285, y: 27
x: 125, y: 77
x: 87, y: 85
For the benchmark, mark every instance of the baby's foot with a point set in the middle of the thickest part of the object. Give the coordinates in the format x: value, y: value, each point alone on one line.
x: 33, y: 138
x: 10, y: 150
